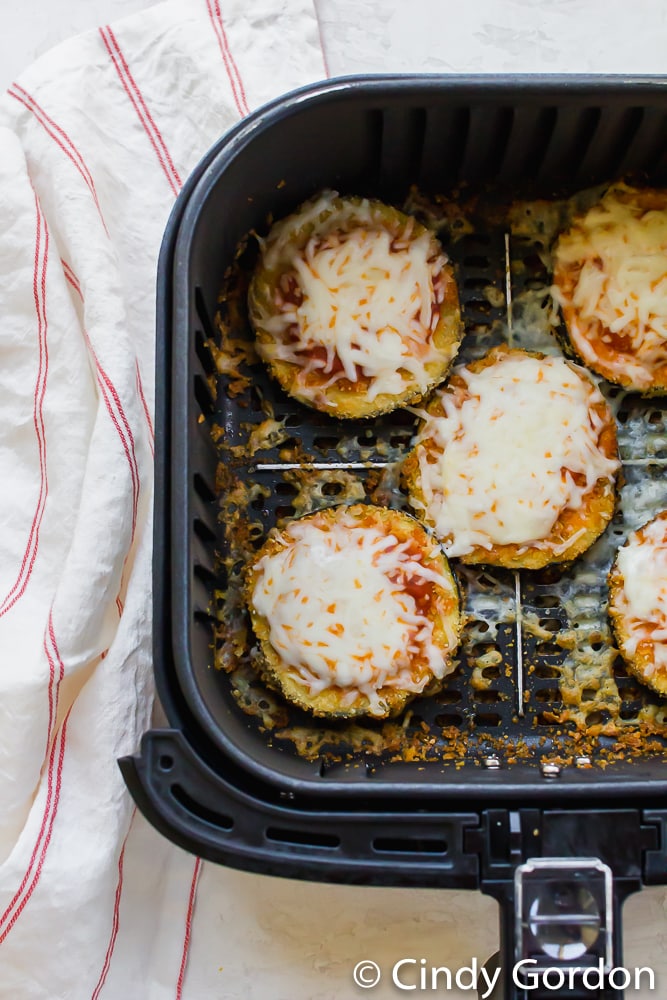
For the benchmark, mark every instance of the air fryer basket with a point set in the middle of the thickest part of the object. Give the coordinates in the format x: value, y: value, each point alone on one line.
x: 514, y: 788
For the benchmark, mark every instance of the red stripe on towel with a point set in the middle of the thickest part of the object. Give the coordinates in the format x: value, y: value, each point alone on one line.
x: 53, y: 785
x: 227, y: 58
x: 322, y: 48
x: 188, y: 929
x: 50, y: 632
x: 139, y: 105
x: 111, y: 399
x: 58, y: 750
x: 60, y: 137
x: 72, y: 278
x: 114, y: 407
x: 115, y: 922
x: 39, y: 293
x: 147, y: 413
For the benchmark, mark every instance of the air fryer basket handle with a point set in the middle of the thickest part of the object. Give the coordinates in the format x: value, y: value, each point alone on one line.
x: 560, y: 880
x: 210, y: 815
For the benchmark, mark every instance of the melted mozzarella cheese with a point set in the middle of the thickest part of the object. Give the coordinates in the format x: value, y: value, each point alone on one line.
x: 370, y: 298
x: 339, y: 613
x: 642, y: 562
x: 622, y: 251
x: 497, y: 468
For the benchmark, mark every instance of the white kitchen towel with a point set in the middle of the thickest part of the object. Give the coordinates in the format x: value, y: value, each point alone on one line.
x: 96, y: 140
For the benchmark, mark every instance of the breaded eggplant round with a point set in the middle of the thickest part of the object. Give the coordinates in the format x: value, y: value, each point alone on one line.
x: 610, y: 281
x: 515, y: 462
x: 355, y: 306
x: 356, y: 611
x: 638, y: 603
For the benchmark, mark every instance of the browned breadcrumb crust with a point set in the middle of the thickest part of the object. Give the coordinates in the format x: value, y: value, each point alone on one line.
x: 610, y: 347
x: 640, y: 664
x: 441, y: 604
x: 346, y: 398
x: 593, y: 515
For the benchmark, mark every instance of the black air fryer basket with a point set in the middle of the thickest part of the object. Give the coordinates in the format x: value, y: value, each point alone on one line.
x: 488, y: 785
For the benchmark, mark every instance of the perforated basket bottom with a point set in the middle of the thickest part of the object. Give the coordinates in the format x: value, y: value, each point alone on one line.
x: 538, y: 675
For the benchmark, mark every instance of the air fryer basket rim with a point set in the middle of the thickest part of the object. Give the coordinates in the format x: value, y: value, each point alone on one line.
x: 175, y: 272
x: 481, y: 86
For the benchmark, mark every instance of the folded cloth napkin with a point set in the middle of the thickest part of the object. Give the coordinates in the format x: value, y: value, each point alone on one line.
x: 95, y: 142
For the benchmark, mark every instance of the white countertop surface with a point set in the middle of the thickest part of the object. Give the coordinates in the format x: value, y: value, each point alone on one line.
x: 432, y: 36
x: 285, y: 939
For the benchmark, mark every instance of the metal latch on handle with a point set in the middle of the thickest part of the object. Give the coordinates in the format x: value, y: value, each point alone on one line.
x: 564, y: 913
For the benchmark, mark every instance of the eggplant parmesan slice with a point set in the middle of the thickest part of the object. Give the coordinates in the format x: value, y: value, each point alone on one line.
x: 355, y: 306
x: 355, y: 609
x: 610, y: 281
x: 638, y: 603
x: 515, y: 462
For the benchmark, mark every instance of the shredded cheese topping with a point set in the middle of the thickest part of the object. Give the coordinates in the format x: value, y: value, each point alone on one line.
x: 340, y: 612
x: 504, y: 461
x: 367, y: 298
x: 619, y: 250
x: 642, y: 563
